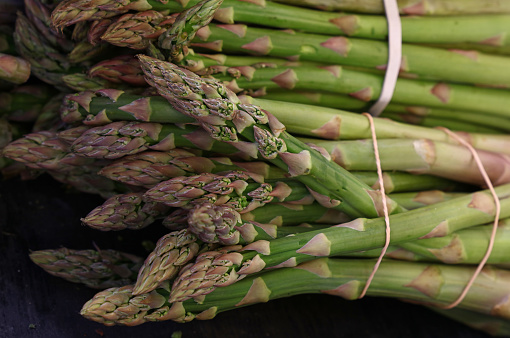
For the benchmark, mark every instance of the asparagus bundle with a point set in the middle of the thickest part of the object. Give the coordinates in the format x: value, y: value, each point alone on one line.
x: 427, y: 283
x: 266, y: 230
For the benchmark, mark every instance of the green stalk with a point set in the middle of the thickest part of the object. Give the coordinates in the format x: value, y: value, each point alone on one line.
x: 410, y: 7
x: 414, y: 29
x: 361, y: 234
x: 99, y: 269
x: 366, y: 87
x: 213, y: 106
x: 337, y: 124
x: 104, y: 106
x: 475, y: 118
x: 414, y: 200
x: 420, y: 156
x: 455, y: 66
x: 408, y: 114
x: 433, y: 122
x: 431, y: 283
x: 467, y: 246
x: 176, y: 249
x: 406, y: 182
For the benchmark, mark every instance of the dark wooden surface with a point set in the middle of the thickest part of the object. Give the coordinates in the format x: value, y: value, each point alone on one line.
x: 41, y: 214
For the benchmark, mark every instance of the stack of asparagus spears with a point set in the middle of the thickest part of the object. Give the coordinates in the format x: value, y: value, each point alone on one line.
x: 236, y: 125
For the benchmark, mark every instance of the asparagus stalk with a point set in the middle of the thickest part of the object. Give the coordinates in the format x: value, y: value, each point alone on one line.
x: 98, y: 269
x: 176, y: 39
x: 220, y: 112
x: 34, y: 48
x: 415, y: 30
x: 456, y: 66
x: 433, y: 122
x: 414, y: 200
x: 14, y: 69
x: 43, y: 150
x: 172, y: 251
x: 367, y: 87
x: 349, y: 103
x: 233, y: 188
x: 136, y: 30
x: 120, y: 69
x: 431, y: 283
x: 149, y: 168
x: 105, y: 106
x: 125, y: 211
x: 119, y: 139
x: 406, y: 182
x: 421, y: 156
x: 337, y: 124
x: 466, y: 246
x: 83, y: 82
x: 176, y: 249
x: 233, y: 264
x: 410, y: 7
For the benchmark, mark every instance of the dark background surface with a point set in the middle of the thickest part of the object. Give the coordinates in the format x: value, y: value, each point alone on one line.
x: 42, y: 214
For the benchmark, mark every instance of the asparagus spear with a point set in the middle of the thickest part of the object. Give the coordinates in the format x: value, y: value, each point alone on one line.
x: 433, y: 122
x: 466, y: 246
x: 431, y: 283
x: 125, y: 211
x: 234, y: 188
x: 455, y: 66
x: 410, y: 7
x: 119, y: 139
x: 176, y: 39
x: 43, y: 150
x: 421, y: 156
x: 34, y: 48
x: 176, y: 249
x: 98, y: 269
x: 415, y: 30
x: 149, y: 168
x: 14, y: 69
x: 131, y: 211
x: 367, y: 87
x: 137, y: 29
x: 413, y: 200
x: 220, y: 112
x: 120, y: 69
x: 233, y: 264
x: 105, y: 106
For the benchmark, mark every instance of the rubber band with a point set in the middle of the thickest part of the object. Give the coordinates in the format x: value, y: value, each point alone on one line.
x: 496, y: 217
x: 394, y: 57
x: 384, y: 203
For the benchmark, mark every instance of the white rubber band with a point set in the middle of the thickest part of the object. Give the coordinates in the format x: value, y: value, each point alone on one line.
x: 394, y: 57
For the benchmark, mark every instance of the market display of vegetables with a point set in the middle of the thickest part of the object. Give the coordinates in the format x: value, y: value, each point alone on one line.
x: 240, y: 127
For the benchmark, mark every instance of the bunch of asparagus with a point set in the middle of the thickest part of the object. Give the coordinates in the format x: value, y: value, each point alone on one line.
x: 237, y: 126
